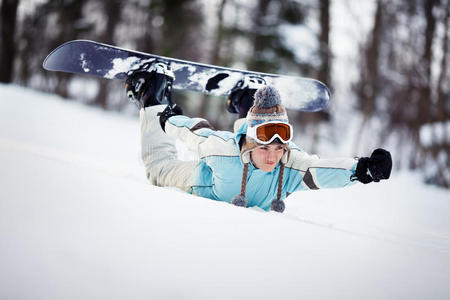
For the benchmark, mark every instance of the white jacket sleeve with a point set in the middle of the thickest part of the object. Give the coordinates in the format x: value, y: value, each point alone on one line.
x: 199, y: 136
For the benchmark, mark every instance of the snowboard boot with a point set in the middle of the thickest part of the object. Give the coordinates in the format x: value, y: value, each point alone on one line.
x: 169, y: 111
x: 150, y: 85
x: 241, y: 97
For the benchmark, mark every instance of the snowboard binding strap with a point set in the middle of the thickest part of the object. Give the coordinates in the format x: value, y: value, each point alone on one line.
x: 150, y: 84
x: 241, y: 97
x: 250, y: 82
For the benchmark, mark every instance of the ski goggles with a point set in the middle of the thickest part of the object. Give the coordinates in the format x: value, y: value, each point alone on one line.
x: 266, y: 133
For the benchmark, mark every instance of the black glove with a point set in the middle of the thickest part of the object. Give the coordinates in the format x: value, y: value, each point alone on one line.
x: 170, y: 111
x: 375, y: 168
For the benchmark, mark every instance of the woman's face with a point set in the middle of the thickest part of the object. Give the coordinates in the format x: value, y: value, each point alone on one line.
x: 267, y: 157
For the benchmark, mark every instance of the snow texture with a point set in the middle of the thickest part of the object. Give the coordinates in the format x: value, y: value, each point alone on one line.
x: 84, y: 63
x: 121, y: 66
x: 78, y: 220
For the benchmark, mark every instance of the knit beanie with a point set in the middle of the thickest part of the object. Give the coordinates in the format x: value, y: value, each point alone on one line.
x: 267, y: 107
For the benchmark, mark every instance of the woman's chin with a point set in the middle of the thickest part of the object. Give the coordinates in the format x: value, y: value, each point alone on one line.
x: 268, y: 167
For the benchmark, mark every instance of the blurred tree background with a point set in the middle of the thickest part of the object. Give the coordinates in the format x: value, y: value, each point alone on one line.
x: 400, y: 98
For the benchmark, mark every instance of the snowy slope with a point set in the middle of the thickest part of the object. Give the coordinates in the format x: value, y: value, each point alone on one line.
x: 79, y: 221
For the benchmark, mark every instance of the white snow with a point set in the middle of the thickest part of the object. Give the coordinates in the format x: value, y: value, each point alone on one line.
x: 78, y: 220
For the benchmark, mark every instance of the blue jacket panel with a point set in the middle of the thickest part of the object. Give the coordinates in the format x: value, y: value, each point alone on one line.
x: 218, y: 174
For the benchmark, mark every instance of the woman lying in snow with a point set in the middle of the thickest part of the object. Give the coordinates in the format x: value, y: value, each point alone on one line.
x: 257, y: 165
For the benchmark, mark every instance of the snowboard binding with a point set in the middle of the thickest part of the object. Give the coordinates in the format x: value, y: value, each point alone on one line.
x: 241, y: 97
x: 151, y: 84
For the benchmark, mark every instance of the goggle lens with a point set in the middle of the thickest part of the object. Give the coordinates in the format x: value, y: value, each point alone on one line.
x: 265, y: 132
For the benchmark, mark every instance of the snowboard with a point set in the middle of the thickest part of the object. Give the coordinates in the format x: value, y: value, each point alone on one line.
x: 110, y: 62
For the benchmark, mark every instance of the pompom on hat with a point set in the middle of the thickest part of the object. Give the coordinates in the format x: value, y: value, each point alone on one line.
x: 266, y: 107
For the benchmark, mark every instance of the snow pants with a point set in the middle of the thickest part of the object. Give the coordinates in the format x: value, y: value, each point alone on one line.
x: 159, y: 154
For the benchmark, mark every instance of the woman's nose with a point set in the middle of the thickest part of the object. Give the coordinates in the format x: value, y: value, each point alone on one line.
x: 272, y: 155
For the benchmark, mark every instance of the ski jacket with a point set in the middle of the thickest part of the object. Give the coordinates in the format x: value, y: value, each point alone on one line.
x: 218, y: 173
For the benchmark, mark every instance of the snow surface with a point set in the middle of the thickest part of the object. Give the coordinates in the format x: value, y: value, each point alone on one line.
x: 78, y: 220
